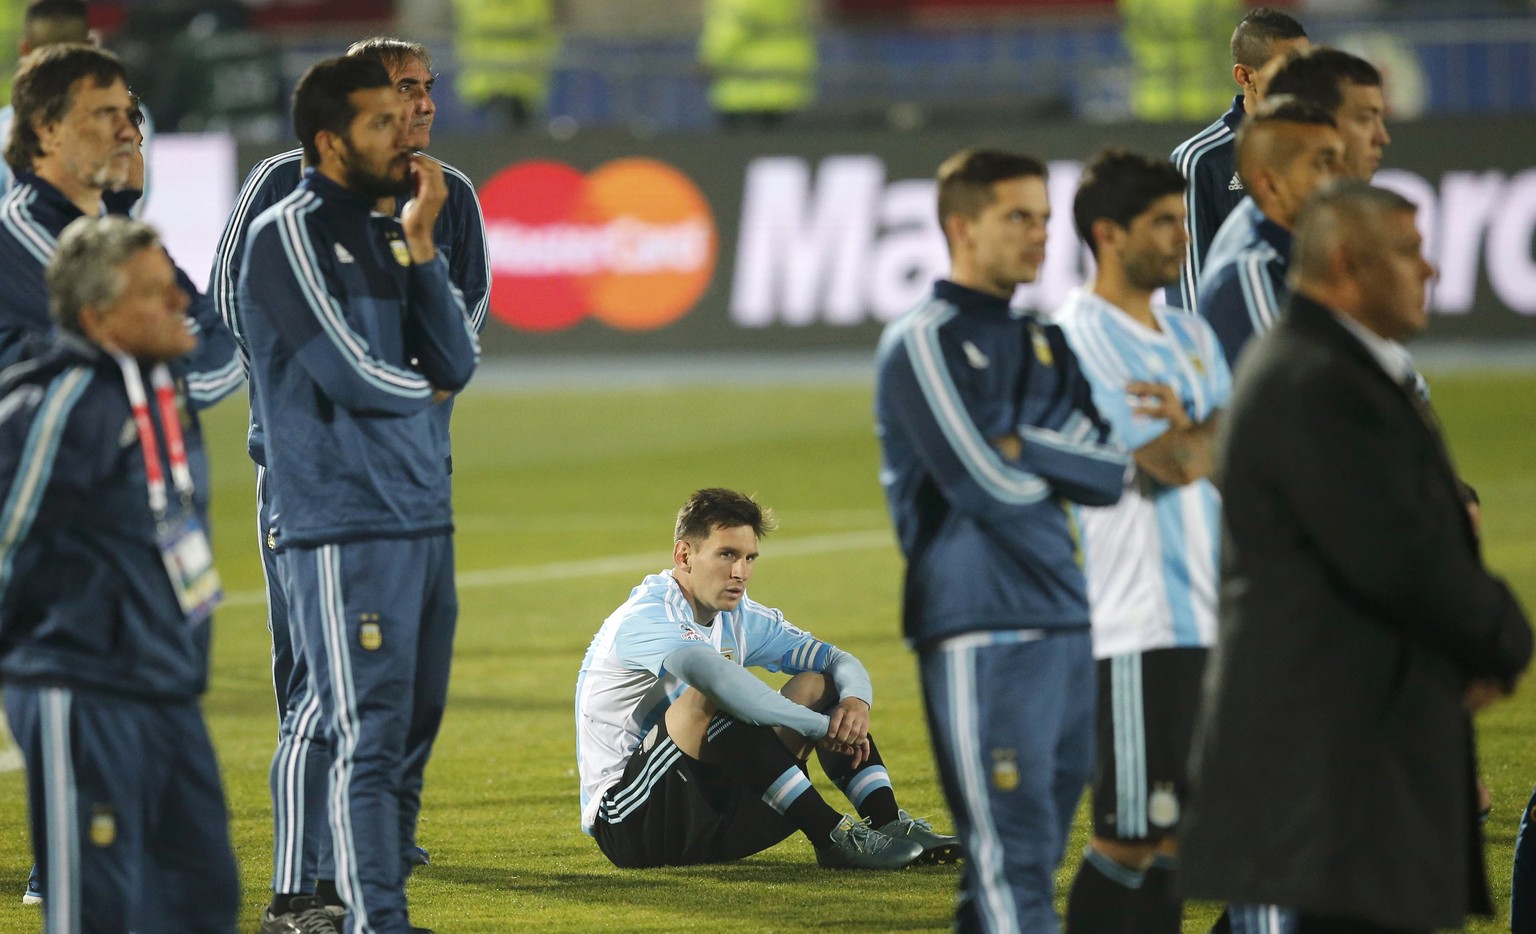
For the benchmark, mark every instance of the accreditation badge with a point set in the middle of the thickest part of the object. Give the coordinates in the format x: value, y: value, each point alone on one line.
x: 189, y: 563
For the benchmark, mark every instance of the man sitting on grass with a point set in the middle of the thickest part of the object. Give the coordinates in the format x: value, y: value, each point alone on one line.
x: 687, y: 758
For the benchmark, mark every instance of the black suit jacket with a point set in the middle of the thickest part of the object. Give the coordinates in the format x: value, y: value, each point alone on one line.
x: 1331, y: 768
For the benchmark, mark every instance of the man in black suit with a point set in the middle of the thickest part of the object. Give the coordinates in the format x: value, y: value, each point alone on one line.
x: 1333, y: 761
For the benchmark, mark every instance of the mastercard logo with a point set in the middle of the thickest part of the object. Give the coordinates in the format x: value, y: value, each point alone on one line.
x: 631, y: 244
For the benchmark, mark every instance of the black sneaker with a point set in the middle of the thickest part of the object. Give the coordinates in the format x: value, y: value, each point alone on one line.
x: 856, y: 845
x: 305, y: 915
x: 938, y: 848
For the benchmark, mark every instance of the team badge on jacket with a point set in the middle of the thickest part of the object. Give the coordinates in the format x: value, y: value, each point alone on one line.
x: 401, y: 251
x: 1042, y: 347
x: 369, y: 635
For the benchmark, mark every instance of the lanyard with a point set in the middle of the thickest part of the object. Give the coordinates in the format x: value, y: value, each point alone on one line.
x: 170, y: 423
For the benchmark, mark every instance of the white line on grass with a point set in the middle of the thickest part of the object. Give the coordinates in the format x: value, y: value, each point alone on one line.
x: 623, y: 564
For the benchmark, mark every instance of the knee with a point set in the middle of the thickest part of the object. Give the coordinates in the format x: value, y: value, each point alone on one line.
x: 811, y: 689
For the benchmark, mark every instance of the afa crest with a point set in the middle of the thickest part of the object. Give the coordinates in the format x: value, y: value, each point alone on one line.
x: 401, y: 251
x: 1042, y: 347
x: 1005, y: 770
x: 369, y: 635
x: 103, y: 826
x: 1196, y: 362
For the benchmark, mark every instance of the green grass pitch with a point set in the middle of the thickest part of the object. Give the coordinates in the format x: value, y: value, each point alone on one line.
x: 564, y: 500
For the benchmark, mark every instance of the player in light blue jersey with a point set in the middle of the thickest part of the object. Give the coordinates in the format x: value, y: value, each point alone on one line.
x: 685, y: 757
x: 1159, y: 378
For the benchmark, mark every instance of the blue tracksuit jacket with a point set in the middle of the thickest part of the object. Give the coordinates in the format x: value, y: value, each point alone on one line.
x: 1244, y: 288
x: 1208, y: 161
x: 84, y: 596
x: 990, y: 543
x: 32, y: 216
x: 348, y: 340
x: 460, y: 236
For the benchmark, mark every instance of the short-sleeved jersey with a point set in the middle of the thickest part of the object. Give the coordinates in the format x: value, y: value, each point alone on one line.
x: 1151, y: 557
x: 624, y: 689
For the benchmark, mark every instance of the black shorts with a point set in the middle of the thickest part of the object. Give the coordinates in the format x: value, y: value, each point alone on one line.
x: 1147, y: 707
x: 672, y: 810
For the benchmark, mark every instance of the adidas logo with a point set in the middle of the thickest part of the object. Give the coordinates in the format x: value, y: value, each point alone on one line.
x: 974, y: 356
x: 1236, y: 184
x: 342, y: 256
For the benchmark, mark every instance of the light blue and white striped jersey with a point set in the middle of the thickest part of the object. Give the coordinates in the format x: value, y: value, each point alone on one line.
x: 623, y: 689
x: 1151, y: 558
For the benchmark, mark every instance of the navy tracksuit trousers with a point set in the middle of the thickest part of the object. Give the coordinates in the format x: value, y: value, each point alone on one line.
x: 127, y: 812
x: 376, y: 619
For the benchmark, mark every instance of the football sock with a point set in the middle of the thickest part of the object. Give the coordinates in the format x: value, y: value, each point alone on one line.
x: 325, y: 890
x: 869, y: 789
x: 282, y: 903
x: 1103, y: 896
x: 1158, y: 908
x: 753, y: 757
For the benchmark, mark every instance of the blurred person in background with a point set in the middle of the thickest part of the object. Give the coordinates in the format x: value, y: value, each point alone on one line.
x: 1285, y: 149
x: 1178, y: 47
x: 1333, y: 764
x: 106, y: 591
x: 760, y: 57
x: 506, y: 50
x: 1208, y: 160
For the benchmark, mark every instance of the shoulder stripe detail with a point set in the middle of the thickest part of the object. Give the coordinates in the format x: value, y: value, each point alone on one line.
x: 36, y: 464
x: 1004, y: 483
x: 1258, y: 291
x: 293, y: 233
x: 223, y: 284
x: 16, y: 218
x: 476, y: 315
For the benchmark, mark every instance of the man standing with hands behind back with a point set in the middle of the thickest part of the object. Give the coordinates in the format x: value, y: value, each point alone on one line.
x: 355, y: 332
x: 1358, y: 625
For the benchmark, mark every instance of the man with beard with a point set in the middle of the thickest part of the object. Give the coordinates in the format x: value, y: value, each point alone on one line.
x: 302, y: 859
x: 355, y: 332
x: 1158, y: 377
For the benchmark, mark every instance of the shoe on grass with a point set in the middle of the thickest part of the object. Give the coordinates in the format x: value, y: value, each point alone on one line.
x: 856, y: 845
x: 938, y: 848
x: 305, y: 915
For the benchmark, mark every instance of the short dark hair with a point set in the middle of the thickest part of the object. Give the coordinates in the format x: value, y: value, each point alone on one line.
x: 1275, y: 109
x: 1119, y: 185
x: 51, y: 22
x: 41, y: 93
x: 390, y: 52
x: 1319, y: 74
x: 322, y: 99
x: 719, y: 508
x: 1253, y: 41
x: 966, y: 179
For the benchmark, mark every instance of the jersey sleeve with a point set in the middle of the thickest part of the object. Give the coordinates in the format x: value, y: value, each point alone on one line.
x: 213, y: 369
x: 469, y: 265
x: 1241, y: 300
x: 740, y: 694
x: 438, y: 332
x: 263, y: 188
x: 296, y: 301
x: 645, y: 641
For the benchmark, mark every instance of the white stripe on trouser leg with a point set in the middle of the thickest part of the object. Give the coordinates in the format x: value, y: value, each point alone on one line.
x: 334, y: 620
x: 293, y: 777
x: 1130, y: 746
x: 61, y: 805
x: 995, y: 898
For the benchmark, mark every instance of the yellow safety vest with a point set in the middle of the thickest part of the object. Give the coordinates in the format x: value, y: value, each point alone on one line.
x: 1181, y: 50
x: 506, y: 48
x: 761, y: 55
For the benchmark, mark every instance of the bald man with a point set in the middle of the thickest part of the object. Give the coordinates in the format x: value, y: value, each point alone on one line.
x: 1285, y: 150
x: 1332, y: 766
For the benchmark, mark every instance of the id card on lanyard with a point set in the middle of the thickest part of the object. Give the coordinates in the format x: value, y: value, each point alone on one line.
x: 183, y: 543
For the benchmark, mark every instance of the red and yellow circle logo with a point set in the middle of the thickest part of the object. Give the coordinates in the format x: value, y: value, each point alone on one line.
x: 632, y: 244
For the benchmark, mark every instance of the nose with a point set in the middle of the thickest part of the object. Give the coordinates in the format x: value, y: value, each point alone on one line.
x: 1382, y: 136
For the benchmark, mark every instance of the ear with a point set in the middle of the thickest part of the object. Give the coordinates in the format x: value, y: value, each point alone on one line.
x: 682, y: 553
x: 955, y: 225
x: 1244, y: 76
x: 93, y: 325
x: 327, y: 143
x: 1105, y: 232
